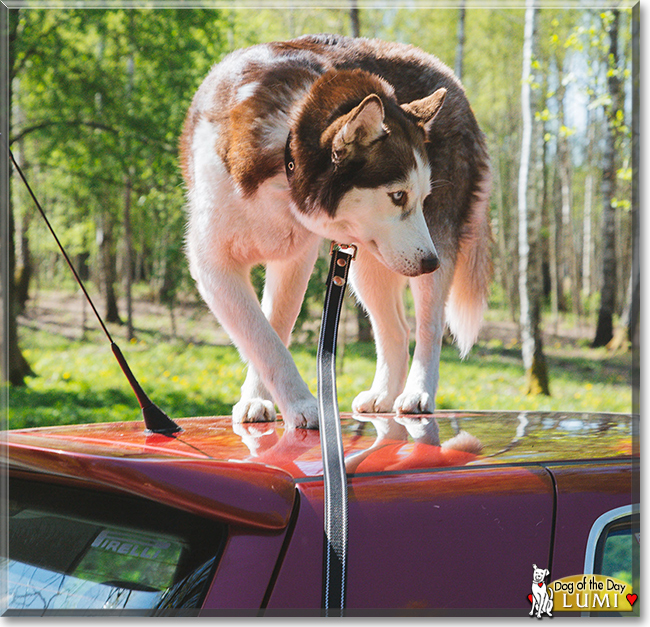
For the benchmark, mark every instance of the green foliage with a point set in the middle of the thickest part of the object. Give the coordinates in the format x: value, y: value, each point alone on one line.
x: 79, y: 382
x: 99, y: 97
x: 618, y: 556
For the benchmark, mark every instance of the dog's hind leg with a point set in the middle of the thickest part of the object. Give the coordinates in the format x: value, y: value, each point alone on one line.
x: 380, y: 290
x: 429, y: 294
x: 284, y: 290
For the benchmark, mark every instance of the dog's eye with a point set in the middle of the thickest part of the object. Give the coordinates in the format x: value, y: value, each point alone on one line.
x: 398, y: 198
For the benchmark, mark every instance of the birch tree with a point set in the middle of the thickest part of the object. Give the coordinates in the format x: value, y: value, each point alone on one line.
x: 529, y: 230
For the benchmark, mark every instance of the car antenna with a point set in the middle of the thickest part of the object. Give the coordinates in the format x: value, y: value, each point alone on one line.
x: 155, y: 419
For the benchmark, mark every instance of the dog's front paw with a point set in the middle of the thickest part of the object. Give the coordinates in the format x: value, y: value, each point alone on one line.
x: 253, y: 410
x: 421, y: 429
x: 301, y: 415
x: 371, y: 402
x: 414, y: 403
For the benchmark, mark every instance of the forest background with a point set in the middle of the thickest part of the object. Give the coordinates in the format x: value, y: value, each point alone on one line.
x: 93, y: 108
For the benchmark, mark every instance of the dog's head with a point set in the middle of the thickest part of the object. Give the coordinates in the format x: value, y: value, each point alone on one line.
x: 361, y: 168
x: 539, y: 574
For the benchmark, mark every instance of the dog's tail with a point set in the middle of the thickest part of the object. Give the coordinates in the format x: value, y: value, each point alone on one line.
x: 469, y: 289
x: 465, y: 442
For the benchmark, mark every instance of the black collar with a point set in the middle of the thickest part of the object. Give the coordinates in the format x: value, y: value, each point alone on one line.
x: 289, y: 163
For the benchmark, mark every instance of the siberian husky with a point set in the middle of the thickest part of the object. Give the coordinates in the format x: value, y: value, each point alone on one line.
x: 383, y: 152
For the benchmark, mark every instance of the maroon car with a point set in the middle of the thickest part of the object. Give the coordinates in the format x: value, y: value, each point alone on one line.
x: 447, y: 514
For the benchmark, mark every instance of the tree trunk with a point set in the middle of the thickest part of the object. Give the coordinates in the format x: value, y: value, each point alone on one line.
x: 569, y: 255
x: 635, y: 317
x: 558, y: 299
x: 364, y: 331
x: 107, y: 264
x: 544, y: 210
x: 460, y: 41
x: 128, y: 257
x: 529, y: 258
x: 605, y: 325
x: 505, y: 272
x: 128, y: 183
x: 25, y: 269
x: 622, y: 333
x: 587, y: 239
x: 354, y: 19
x: 553, y: 260
x: 567, y: 248
x: 14, y: 366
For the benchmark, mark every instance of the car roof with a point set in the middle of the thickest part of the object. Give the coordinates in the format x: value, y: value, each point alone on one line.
x: 247, y: 473
x: 386, y: 442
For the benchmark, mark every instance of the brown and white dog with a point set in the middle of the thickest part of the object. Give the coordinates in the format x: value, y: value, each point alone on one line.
x: 378, y: 161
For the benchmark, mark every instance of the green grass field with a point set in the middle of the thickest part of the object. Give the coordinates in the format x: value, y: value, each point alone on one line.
x: 79, y: 381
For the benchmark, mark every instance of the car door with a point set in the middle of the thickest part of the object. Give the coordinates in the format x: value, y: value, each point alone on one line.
x: 597, y: 527
x: 459, y: 541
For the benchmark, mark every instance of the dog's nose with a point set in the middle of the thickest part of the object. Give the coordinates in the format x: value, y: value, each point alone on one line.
x: 430, y: 264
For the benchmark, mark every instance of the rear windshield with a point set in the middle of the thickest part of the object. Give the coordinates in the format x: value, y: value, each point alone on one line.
x: 73, y: 549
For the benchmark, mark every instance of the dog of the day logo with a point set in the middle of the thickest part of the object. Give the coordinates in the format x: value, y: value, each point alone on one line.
x: 541, y: 596
x: 592, y: 593
x: 579, y: 593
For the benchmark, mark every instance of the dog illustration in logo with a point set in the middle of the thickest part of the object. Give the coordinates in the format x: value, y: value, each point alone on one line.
x: 542, y: 597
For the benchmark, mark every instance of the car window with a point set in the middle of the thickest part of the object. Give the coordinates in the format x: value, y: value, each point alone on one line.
x: 613, y: 549
x: 618, y: 555
x: 72, y: 549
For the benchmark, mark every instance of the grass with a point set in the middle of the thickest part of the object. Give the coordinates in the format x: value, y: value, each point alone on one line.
x: 79, y: 381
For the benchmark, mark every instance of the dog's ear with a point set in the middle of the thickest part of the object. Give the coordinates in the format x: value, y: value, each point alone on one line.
x: 357, y: 129
x: 427, y: 109
x: 546, y: 572
x: 534, y: 566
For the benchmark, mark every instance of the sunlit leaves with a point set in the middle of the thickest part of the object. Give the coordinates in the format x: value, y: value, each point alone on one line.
x: 87, y: 121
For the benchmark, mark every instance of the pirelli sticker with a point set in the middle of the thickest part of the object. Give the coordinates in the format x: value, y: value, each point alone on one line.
x: 132, y: 544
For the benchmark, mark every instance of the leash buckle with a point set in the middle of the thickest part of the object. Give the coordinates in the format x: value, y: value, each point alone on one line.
x: 349, y: 249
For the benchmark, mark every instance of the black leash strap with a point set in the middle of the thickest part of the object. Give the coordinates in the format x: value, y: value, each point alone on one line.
x: 335, y: 539
x: 334, y: 475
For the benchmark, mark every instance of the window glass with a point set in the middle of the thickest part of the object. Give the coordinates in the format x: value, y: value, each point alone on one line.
x: 618, y: 554
x: 80, y: 550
